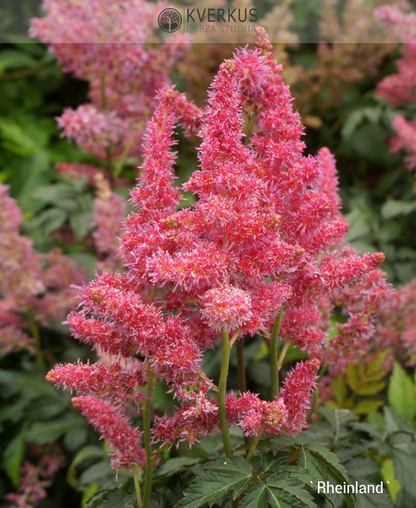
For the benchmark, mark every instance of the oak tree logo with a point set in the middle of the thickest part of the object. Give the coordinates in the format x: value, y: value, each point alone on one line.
x: 170, y: 20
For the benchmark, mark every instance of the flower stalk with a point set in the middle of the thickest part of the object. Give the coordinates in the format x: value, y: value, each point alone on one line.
x: 34, y: 330
x: 147, y: 440
x: 253, y: 446
x: 222, y: 387
x: 274, y: 361
x: 137, y: 488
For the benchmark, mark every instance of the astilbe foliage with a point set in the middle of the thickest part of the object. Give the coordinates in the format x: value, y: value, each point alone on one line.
x: 260, y: 246
x: 32, y: 296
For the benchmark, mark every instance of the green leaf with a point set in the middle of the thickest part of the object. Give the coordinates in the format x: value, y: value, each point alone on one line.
x: 13, y: 457
x: 88, y: 453
x: 371, y: 388
x: 404, y: 470
x: 112, y: 498
x: 352, y: 377
x: 338, y: 418
x: 339, y: 389
x: 402, y: 393
x: 393, y: 208
x: 367, y: 406
x: 172, y: 466
x: 330, y: 463
x: 293, y: 488
x: 15, y: 139
x: 80, y: 223
x: 46, y: 432
x: 12, y: 59
x: 225, y: 475
x: 277, y: 493
x: 256, y: 496
x: 387, y: 471
x: 97, y: 473
x: 75, y: 438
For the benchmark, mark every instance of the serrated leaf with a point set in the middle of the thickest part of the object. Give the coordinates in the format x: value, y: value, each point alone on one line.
x: 331, y: 464
x: 287, y: 495
x: 272, y: 462
x: 174, y: 465
x: 394, y: 422
x: 402, y: 393
x: 113, y: 498
x: 255, y: 497
x: 294, y: 488
x: 404, y: 470
x: 224, y: 476
x: 338, y: 418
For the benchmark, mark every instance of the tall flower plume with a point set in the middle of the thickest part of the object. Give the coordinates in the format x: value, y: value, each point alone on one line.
x: 257, y: 254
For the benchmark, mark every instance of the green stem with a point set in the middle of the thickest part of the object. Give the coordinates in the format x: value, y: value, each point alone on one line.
x: 222, y: 387
x: 34, y: 330
x: 137, y: 488
x: 254, y: 445
x: 147, y: 441
x: 241, y: 370
x: 274, y: 347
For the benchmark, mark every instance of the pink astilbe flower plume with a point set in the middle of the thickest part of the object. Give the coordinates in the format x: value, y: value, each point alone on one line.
x: 123, y: 439
x: 400, y: 89
x: 264, y: 241
x: 296, y: 394
x: 41, y: 291
x: 107, y: 44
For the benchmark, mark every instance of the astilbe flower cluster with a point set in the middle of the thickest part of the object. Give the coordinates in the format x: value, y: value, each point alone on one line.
x: 260, y: 244
x: 399, y: 89
x: 109, y: 44
x: 34, y: 287
x: 36, y: 478
x: 112, y: 45
x: 396, y: 327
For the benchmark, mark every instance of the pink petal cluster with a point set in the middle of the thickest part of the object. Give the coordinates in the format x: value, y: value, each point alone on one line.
x: 396, y: 328
x: 35, y: 479
x: 405, y: 140
x: 296, y: 393
x: 263, y: 238
x: 364, y: 304
x: 108, y: 44
x: 256, y: 416
x: 399, y: 89
x: 123, y: 439
x: 41, y: 291
x: 109, y: 212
